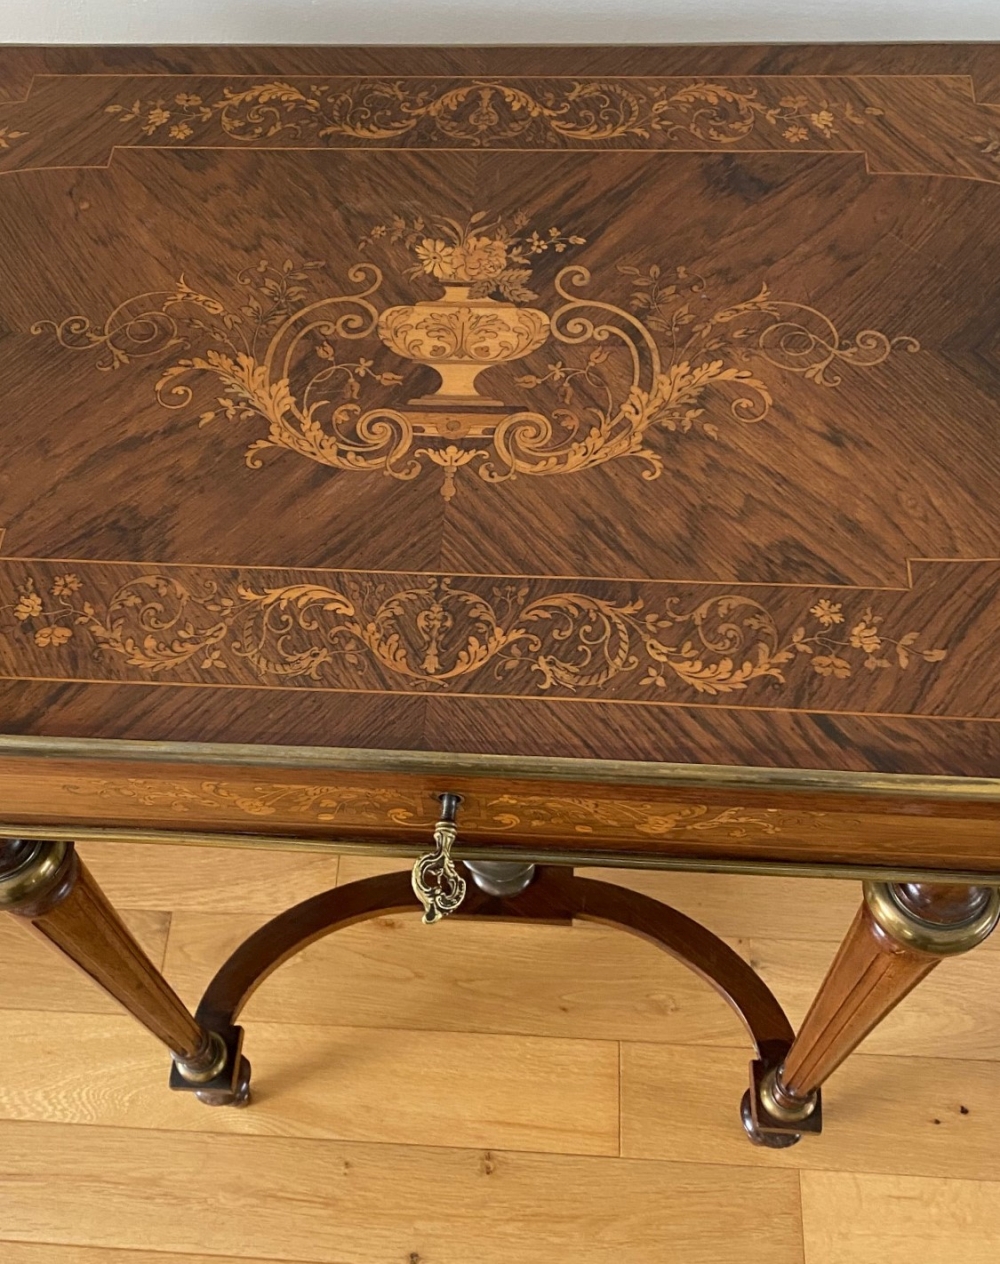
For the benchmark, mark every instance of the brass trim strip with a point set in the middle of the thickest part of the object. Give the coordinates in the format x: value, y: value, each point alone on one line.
x: 568, y: 857
x: 143, y: 563
x: 527, y: 767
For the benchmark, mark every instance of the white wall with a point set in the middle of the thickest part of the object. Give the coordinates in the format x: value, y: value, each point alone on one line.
x: 493, y: 21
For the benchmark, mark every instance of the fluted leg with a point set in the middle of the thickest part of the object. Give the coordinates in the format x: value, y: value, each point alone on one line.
x: 46, y: 886
x: 901, y: 932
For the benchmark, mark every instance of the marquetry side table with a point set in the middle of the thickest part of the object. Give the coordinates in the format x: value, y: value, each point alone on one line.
x: 513, y: 460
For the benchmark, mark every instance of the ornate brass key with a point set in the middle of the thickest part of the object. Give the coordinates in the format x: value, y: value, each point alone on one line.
x: 437, y: 884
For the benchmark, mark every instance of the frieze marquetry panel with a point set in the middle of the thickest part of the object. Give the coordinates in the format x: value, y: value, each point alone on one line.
x: 102, y: 794
x: 645, y: 642
x: 346, y: 807
x: 909, y: 124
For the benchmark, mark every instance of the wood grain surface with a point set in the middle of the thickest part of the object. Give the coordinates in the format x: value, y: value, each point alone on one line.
x: 347, y: 1084
x: 642, y: 814
x: 330, y: 1201
x: 897, y: 1116
x: 874, y: 1219
x: 631, y: 404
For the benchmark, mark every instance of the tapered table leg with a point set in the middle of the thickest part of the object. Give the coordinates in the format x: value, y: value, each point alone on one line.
x: 47, y: 886
x: 901, y: 932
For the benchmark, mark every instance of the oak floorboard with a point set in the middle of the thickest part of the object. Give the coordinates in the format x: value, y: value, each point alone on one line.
x: 735, y: 906
x: 350, y: 1084
x: 357, y: 865
x: 352, y: 1203
x: 868, y: 1219
x: 880, y: 1114
x: 581, y: 982
x: 429, y: 1058
x: 176, y: 875
x: 744, y: 906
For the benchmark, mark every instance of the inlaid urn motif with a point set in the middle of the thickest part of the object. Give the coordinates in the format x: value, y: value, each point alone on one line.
x: 466, y: 330
x: 459, y: 336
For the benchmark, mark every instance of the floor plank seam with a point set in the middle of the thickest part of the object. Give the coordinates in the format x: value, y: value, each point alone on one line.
x: 216, y: 1137
x: 144, y: 1251
x: 621, y: 1095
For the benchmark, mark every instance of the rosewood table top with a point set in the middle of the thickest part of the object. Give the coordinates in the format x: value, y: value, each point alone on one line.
x: 608, y: 404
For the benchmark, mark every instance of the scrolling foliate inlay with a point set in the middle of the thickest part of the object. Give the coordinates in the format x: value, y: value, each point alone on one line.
x: 988, y: 145
x: 608, y: 375
x: 440, y: 634
x: 905, y: 124
x: 487, y: 112
x: 594, y: 816
x: 364, y: 807
x: 325, y: 804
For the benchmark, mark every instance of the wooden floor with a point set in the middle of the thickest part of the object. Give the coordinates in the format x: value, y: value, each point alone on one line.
x: 477, y: 1094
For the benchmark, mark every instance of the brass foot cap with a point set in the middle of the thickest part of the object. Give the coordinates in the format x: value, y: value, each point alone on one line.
x: 773, y: 1140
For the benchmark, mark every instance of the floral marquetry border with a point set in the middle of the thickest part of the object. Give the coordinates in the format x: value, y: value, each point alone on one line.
x: 898, y: 122
x: 447, y: 635
x: 485, y: 111
x: 839, y: 114
x: 365, y: 807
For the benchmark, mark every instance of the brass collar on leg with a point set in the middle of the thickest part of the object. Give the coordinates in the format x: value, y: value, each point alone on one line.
x: 939, y: 939
x: 779, y: 1105
x: 207, y: 1067
x: 34, y: 876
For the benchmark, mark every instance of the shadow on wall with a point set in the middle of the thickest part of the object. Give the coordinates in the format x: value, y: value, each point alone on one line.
x: 493, y: 21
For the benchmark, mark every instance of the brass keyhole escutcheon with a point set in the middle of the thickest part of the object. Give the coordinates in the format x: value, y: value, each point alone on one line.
x: 437, y: 884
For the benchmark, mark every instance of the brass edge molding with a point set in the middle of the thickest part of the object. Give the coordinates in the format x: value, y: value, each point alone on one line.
x: 333, y: 759
x: 568, y: 858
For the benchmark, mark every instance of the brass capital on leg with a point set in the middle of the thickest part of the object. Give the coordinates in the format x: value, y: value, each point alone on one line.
x: 781, y: 1105
x: 35, y: 874
x: 940, y: 920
